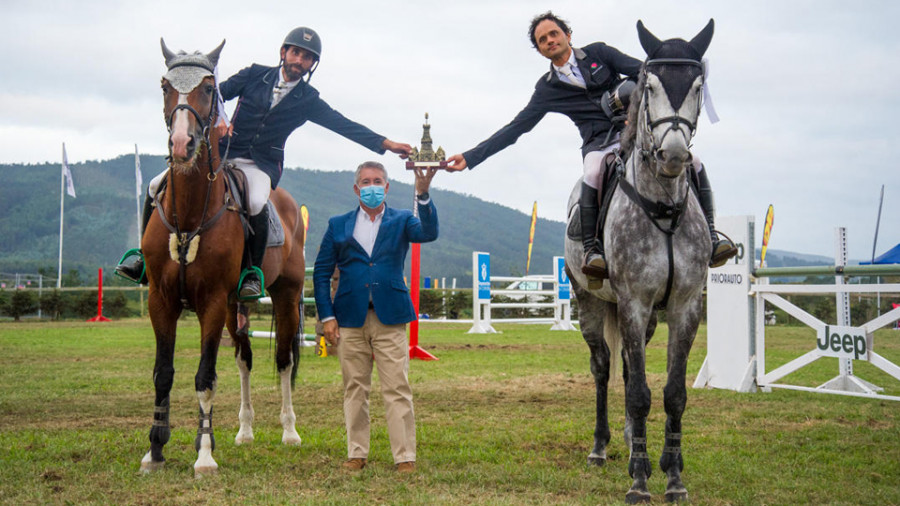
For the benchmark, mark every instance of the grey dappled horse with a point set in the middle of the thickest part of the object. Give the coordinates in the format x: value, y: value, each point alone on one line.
x: 657, y: 247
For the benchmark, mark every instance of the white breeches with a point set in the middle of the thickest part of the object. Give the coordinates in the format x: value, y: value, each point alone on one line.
x: 593, y: 166
x: 258, y: 184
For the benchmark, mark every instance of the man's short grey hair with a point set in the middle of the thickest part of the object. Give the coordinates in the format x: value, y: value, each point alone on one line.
x: 371, y: 165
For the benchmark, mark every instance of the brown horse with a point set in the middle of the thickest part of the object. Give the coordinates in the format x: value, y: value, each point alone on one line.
x: 193, y: 248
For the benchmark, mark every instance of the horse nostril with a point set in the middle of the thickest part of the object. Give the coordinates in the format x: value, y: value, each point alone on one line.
x: 660, y: 155
x: 191, y: 142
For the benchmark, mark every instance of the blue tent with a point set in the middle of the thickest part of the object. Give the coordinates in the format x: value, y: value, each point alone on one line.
x: 891, y: 256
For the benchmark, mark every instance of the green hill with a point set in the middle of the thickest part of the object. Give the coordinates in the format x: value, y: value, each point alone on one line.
x: 100, y: 224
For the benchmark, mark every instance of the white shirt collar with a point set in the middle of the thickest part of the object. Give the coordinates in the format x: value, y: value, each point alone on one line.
x: 571, y: 61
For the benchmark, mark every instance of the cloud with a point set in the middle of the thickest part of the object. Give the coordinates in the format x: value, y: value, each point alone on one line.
x: 805, y: 90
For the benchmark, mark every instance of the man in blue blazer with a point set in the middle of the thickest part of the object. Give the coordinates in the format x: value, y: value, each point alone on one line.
x: 367, y: 317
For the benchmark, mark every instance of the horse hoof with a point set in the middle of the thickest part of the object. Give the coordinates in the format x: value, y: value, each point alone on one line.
x: 148, y: 465
x: 243, y: 439
x: 291, y: 439
x: 637, y: 496
x: 595, y: 459
x: 676, y: 495
x: 200, y: 472
x: 152, y: 466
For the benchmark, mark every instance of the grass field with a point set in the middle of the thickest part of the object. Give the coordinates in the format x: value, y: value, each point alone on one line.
x: 502, y: 419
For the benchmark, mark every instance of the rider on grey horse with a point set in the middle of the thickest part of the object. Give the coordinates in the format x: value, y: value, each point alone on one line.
x: 585, y: 84
x: 274, y: 101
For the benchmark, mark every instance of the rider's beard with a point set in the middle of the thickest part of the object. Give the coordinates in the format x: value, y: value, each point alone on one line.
x: 293, y: 71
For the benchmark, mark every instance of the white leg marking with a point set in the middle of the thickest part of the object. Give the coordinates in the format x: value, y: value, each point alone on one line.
x: 148, y: 466
x: 205, y: 463
x: 288, y: 418
x: 245, y: 434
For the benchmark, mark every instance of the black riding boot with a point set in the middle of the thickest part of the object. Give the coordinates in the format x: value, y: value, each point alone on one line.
x: 133, y: 269
x: 723, y: 249
x: 594, y: 264
x: 251, y: 288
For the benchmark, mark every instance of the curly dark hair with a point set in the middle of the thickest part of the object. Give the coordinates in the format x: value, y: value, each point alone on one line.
x: 544, y: 17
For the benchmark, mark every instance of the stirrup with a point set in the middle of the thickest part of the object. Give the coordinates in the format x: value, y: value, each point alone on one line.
x: 128, y: 254
x: 719, y: 259
x: 262, y: 283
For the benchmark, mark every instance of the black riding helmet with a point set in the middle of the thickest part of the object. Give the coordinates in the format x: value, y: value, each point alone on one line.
x: 615, y: 102
x: 305, y: 38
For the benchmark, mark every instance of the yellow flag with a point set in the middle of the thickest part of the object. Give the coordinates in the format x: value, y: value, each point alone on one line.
x: 770, y: 220
x: 304, y: 212
x: 531, y: 236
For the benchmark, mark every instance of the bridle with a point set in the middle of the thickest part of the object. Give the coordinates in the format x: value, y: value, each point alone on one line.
x: 674, y: 120
x: 657, y: 211
x: 184, y: 239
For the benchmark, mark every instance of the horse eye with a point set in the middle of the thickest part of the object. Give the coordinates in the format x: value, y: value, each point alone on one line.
x: 209, y: 89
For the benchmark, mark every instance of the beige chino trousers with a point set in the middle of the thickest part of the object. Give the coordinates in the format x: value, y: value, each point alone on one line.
x: 388, y: 347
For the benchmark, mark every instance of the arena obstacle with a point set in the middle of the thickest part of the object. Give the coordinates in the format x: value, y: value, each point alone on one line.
x: 482, y: 293
x: 99, y: 317
x: 736, y: 297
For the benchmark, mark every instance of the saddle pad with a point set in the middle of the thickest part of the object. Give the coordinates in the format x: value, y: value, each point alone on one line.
x: 276, y: 230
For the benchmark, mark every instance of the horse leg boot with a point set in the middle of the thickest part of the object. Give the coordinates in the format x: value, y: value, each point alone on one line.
x: 252, y: 287
x: 594, y: 264
x: 723, y: 249
x: 134, y: 269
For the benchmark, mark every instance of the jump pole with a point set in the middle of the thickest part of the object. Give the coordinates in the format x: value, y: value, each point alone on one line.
x: 99, y: 317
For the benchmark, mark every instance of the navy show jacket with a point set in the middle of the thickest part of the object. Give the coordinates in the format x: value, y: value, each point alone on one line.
x: 601, y: 67
x: 260, y: 132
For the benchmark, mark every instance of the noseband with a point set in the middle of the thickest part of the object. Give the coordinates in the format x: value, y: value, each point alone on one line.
x: 674, y: 120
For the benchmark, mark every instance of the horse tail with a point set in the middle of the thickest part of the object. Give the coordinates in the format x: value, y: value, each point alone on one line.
x: 612, y: 336
x: 295, y: 344
x: 295, y: 351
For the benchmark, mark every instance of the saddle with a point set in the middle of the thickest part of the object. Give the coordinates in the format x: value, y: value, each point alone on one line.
x: 236, y: 187
x: 237, y: 181
x: 614, y: 169
x: 612, y: 166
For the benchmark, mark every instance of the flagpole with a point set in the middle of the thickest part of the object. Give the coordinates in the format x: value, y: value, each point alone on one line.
x: 62, y: 202
x: 138, y: 183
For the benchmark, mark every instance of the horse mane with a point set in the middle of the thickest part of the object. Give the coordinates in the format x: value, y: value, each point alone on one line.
x: 629, y: 135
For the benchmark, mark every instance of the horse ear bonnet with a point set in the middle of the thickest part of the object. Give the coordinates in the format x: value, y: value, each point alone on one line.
x: 186, y: 71
x: 696, y: 47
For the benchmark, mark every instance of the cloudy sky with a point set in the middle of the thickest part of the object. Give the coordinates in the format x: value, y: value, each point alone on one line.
x: 806, y: 91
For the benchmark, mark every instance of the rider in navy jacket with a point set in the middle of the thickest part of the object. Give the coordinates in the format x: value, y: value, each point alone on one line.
x: 260, y: 132
x: 586, y: 85
x: 273, y: 102
x: 601, y: 66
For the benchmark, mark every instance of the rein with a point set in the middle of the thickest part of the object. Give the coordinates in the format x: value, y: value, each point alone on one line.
x: 657, y: 211
x: 185, y: 238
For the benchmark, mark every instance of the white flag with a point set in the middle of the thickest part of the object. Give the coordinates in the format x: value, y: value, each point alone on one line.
x: 139, y: 181
x: 70, y: 186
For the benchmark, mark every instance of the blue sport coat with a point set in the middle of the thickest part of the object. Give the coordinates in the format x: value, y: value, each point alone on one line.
x: 260, y: 132
x: 378, y: 277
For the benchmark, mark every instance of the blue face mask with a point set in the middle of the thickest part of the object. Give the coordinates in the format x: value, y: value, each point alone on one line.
x: 371, y: 196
